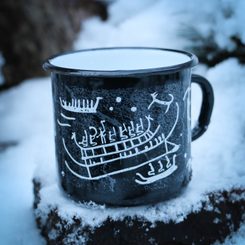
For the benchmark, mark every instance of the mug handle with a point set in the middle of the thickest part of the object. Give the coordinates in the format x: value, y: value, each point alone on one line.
x: 206, y: 107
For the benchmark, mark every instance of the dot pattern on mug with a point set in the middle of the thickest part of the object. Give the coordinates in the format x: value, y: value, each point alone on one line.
x: 118, y: 99
x: 133, y: 109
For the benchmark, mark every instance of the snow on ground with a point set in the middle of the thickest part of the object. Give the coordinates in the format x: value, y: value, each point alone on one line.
x: 26, y: 118
x: 237, y: 238
x: 26, y: 112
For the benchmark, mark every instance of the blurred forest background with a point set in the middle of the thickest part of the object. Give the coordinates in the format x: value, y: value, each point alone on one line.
x: 33, y: 30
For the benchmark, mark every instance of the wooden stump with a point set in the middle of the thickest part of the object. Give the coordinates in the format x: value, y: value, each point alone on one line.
x: 212, y: 218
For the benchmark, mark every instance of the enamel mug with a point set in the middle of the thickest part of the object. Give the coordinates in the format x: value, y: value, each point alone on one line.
x: 123, y: 123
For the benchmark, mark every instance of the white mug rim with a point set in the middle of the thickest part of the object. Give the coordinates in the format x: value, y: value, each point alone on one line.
x: 50, y: 65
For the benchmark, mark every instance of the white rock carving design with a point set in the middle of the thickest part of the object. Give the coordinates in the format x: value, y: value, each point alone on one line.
x: 102, y: 148
x: 161, y: 102
x: 81, y: 106
x: 158, y: 169
x: 187, y: 98
x: 62, y: 124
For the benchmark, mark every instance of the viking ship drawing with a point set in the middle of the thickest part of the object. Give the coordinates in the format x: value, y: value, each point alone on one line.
x: 81, y: 106
x: 130, y: 152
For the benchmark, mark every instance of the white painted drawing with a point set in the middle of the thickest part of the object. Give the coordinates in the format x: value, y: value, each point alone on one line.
x: 118, y: 99
x: 105, y: 145
x: 63, y: 124
x: 152, y: 170
x: 110, y: 151
x: 122, y: 146
x: 66, y: 117
x: 188, y: 165
x: 111, y: 134
x: 161, y: 102
x: 156, y: 174
x: 81, y: 106
x: 133, y: 109
x: 186, y: 98
x: 114, y: 172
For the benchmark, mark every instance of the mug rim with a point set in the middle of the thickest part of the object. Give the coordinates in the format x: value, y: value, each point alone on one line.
x: 48, y: 66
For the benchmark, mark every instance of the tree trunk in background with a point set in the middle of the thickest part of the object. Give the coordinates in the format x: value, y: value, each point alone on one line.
x: 33, y: 30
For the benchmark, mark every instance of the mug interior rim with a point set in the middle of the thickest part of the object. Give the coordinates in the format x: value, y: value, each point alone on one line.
x: 49, y: 66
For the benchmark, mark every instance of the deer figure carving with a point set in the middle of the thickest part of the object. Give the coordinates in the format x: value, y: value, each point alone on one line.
x: 161, y: 102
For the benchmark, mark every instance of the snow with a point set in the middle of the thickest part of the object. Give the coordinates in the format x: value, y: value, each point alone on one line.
x: 223, y: 19
x: 218, y: 156
x: 237, y: 238
x: 152, y: 24
x: 167, y: 23
x: 23, y: 120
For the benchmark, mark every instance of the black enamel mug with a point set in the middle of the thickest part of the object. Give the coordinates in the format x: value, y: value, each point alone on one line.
x: 123, y: 125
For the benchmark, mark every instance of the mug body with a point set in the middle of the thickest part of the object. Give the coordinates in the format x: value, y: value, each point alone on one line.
x: 123, y: 136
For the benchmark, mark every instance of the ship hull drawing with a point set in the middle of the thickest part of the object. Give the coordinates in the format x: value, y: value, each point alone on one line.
x: 141, y: 150
x: 99, y: 171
